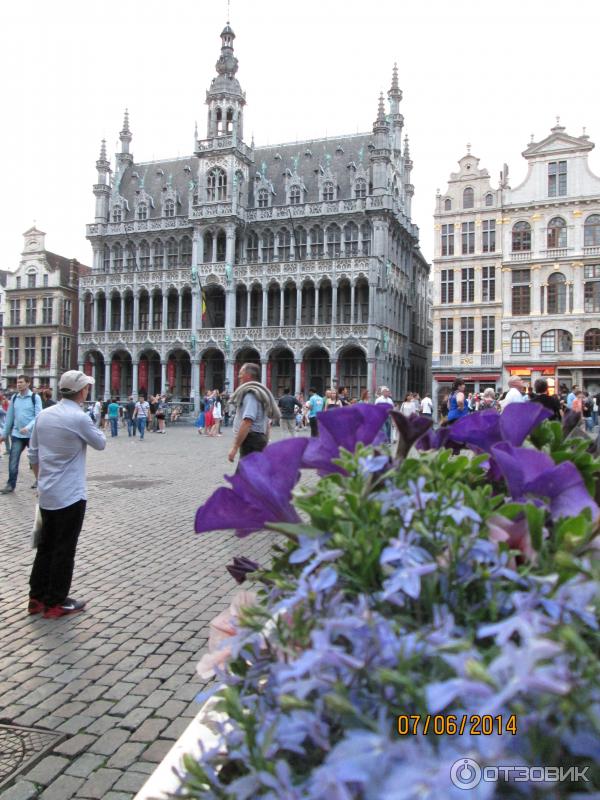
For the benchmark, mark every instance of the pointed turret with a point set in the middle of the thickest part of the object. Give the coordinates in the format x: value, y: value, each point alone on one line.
x: 102, y: 188
x: 380, y: 155
x: 380, y: 121
x: 125, y: 137
x: 396, y: 118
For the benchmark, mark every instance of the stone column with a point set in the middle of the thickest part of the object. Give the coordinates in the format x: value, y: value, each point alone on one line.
x: 578, y: 291
x: 180, y: 311
x: 94, y: 313
x: 248, y: 306
x: 122, y: 312
x: 263, y: 372
x: 352, y: 289
x: 334, y: 299
x: 165, y: 309
x: 371, y: 363
x: 316, y: 305
x: 506, y: 291
x: 136, y: 311
x: 107, y: 380
x: 81, y: 314
x: 535, y: 290
x: 230, y: 296
x: 196, y: 383
x: 196, y: 304
x: 109, y: 316
x: 214, y: 248
x: 333, y: 372
x: 150, y: 310
x: 265, y: 299
x: 163, y: 375
x: 297, y: 375
x: 298, y: 309
x: 281, y: 299
x: 134, y: 379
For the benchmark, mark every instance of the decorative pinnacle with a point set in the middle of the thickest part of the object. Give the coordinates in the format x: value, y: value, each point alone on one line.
x: 406, y: 148
x: 381, y: 109
x: 126, y: 122
x: 103, y: 150
x: 468, y: 148
x: 395, y: 88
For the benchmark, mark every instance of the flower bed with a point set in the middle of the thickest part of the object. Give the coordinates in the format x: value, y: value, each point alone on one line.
x: 454, y: 589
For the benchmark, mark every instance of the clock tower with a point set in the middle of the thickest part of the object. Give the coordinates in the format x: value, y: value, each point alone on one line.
x: 35, y: 241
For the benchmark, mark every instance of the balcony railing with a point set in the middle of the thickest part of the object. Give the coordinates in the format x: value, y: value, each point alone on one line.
x: 556, y: 252
x: 446, y: 361
x: 592, y: 250
x: 488, y: 360
x: 521, y: 256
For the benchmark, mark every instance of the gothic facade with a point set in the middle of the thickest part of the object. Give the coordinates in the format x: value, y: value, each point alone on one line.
x: 300, y: 257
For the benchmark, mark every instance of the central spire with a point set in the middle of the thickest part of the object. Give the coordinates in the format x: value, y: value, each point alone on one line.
x: 227, y: 63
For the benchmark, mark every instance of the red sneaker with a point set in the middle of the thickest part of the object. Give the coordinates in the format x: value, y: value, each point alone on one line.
x: 70, y: 606
x: 35, y: 607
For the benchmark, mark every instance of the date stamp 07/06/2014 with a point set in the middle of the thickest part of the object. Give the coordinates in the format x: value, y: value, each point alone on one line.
x: 451, y: 724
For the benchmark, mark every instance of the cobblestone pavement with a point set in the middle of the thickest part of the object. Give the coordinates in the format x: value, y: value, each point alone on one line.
x: 119, y: 679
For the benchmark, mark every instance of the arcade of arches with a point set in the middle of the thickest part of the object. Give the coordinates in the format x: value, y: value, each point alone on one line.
x: 122, y: 376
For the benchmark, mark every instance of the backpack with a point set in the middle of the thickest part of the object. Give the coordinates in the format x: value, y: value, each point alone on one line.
x: 14, y: 399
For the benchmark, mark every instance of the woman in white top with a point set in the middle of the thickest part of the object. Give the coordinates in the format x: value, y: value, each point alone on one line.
x: 217, y: 411
x: 408, y: 406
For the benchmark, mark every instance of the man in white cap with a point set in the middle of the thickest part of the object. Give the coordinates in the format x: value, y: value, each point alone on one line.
x: 57, y: 454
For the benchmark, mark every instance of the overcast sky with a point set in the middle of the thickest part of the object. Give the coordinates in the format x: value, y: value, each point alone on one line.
x: 470, y: 70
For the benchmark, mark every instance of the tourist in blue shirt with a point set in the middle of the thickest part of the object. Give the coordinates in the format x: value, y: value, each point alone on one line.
x: 113, y: 417
x: 315, y: 405
x: 20, y: 419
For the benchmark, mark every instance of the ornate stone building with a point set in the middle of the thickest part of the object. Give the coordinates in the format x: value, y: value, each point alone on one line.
x: 301, y: 257
x: 41, y: 314
x: 517, y: 271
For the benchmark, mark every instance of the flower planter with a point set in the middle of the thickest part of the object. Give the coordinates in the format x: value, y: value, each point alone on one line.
x: 201, y: 731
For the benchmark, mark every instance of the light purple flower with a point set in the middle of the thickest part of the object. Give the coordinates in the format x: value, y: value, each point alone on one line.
x: 344, y: 428
x: 370, y: 464
x: 261, y: 491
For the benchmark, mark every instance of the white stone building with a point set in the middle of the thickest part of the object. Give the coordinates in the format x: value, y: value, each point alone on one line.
x: 546, y: 304
x: 301, y: 257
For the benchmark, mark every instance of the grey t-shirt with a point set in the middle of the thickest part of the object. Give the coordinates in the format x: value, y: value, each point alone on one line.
x: 251, y: 409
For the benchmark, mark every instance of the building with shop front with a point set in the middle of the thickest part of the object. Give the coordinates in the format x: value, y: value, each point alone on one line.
x: 300, y: 257
x: 3, y: 278
x: 41, y: 315
x: 539, y: 244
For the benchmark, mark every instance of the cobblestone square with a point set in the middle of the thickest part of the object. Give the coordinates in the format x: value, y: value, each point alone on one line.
x: 120, y: 676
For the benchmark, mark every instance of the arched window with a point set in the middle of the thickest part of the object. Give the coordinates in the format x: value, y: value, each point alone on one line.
x: 144, y: 254
x: 252, y: 246
x: 263, y: 198
x: 556, y: 341
x: 117, y: 214
x: 219, y: 117
x: 591, y: 340
x: 142, y: 211
x: 268, y: 246
x: 328, y: 191
x: 351, y: 239
x: 216, y: 185
x: 130, y: 262
x: 365, y: 231
x: 106, y: 259
x: 295, y: 196
x: 447, y: 204
x: 117, y: 257
x: 169, y: 208
x: 591, y: 231
x: 316, y: 241
x: 334, y: 239
x: 283, y: 245
x: 468, y: 198
x: 158, y: 256
x: 519, y: 342
x: 229, y: 127
x: 300, y: 239
x: 557, y: 293
x: 186, y: 251
x: 557, y: 233
x: 489, y: 199
x: 172, y: 252
x: 521, y: 237
x: 360, y: 188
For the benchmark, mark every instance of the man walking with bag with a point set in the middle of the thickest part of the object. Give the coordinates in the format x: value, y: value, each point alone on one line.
x: 20, y: 419
x: 255, y: 407
x: 57, y: 455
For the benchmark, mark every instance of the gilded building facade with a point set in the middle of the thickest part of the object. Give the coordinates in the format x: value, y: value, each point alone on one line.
x: 301, y: 257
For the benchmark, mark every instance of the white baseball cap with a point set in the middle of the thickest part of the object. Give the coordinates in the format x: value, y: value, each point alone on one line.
x: 74, y: 381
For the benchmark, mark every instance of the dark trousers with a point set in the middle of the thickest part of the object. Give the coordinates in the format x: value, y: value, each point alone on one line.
x: 314, y: 427
x: 52, y: 571
x: 17, y: 446
x: 253, y: 443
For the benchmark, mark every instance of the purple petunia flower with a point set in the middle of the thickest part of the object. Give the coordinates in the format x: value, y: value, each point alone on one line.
x: 530, y: 471
x: 344, y: 427
x: 487, y: 428
x: 410, y: 429
x: 261, y: 491
x: 241, y: 568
